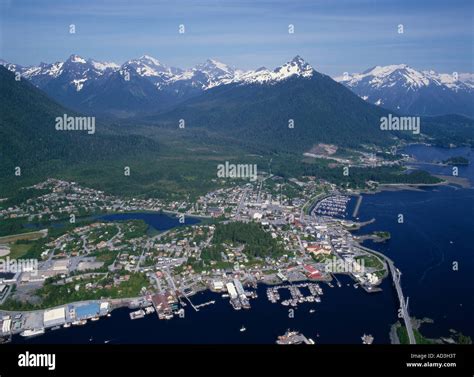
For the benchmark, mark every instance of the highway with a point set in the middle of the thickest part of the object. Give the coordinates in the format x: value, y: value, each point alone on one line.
x: 396, y: 281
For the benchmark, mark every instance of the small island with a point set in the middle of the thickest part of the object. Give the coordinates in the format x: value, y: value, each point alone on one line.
x: 458, y: 160
x: 382, y: 236
x: 399, y: 335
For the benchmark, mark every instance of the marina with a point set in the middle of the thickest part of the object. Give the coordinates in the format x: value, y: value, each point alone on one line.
x: 296, y: 296
x: 332, y: 206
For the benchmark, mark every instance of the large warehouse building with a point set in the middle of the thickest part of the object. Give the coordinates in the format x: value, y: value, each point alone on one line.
x: 87, y: 311
x: 54, y: 317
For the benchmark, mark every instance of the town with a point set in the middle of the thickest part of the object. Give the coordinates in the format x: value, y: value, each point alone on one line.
x: 89, y: 265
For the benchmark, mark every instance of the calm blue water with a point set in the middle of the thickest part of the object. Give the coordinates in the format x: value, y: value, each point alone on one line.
x: 437, y: 230
x: 342, y: 317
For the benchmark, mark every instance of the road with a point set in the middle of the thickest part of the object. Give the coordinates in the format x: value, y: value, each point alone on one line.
x: 396, y: 281
x: 241, y: 204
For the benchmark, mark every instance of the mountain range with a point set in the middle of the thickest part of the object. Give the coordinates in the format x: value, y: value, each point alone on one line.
x: 284, y: 112
x: 146, y: 85
x: 139, y: 85
x: 405, y: 90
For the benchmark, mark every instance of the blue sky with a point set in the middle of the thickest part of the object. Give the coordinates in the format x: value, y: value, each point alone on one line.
x: 334, y: 36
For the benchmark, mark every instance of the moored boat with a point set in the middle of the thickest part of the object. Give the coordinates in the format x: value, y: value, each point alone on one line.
x: 32, y: 332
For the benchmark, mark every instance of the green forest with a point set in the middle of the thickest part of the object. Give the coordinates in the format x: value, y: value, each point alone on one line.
x: 258, y: 243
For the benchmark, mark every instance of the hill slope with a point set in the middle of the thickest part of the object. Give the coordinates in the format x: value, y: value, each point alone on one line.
x: 322, y: 111
x: 28, y: 137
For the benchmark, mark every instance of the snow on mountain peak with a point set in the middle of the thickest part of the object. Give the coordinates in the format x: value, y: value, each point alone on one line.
x: 103, y: 66
x: 401, y: 75
x: 150, y: 59
x: 215, y: 67
x: 148, y: 66
x: 207, y: 75
x: 295, y: 67
x: 77, y: 59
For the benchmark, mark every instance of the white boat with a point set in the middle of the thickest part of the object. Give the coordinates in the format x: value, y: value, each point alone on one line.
x: 149, y: 310
x: 312, y: 310
x: 32, y: 332
x: 242, y: 329
x: 137, y: 314
x: 66, y: 325
x: 367, y: 339
x: 94, y: 318
x: 80, y: 323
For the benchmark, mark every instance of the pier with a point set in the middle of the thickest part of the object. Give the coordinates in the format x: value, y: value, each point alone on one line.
x: 396, y: 281
x: 204, y: 304
x: 187, y: 298
x: 356, y: 209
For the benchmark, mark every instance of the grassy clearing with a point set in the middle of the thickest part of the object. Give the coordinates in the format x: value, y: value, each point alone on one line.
x: 22, y: 236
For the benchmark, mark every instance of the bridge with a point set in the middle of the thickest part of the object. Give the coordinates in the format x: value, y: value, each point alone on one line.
x: 396, y: 281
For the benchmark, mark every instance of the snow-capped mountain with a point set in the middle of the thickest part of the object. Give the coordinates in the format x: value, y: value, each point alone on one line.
x: 406, y: 90
x: 150, y: 85
x: 204, y: 76
x: 152, y: 69
x: 296, y: 67
x: 75, y: 71
x: 81, y: 83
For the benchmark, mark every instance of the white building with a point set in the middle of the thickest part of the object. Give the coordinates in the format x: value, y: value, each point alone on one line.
x: 231, y: 289
x: 54, y: 317
x: 7, y: 324
x: 217, y: 285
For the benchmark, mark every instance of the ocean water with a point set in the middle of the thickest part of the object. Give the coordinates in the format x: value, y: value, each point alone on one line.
x: 433, y: 247
x: 436, y: 232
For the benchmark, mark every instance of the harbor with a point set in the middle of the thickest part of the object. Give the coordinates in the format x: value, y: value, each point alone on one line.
x: 32, y: 324
x: 333, y: 206
x: 326, y: 322
x: 296, y: 295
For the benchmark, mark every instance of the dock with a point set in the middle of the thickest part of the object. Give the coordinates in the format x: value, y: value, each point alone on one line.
x: 356, y: 209
x: 205, y: 304
x: 187, y: 298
